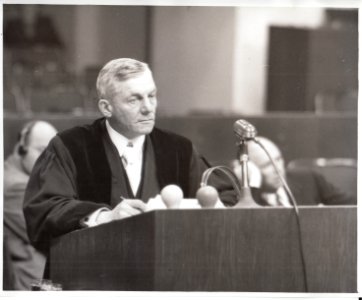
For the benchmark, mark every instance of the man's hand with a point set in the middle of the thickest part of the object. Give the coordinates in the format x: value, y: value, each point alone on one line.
x: 125, y: 209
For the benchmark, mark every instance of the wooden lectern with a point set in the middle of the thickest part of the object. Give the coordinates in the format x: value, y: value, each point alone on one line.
x: 249, y: 250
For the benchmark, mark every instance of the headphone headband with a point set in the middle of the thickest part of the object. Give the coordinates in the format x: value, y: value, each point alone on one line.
x: 23, y: 139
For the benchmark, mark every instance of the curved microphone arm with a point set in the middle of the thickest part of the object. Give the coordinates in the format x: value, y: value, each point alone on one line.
x: 245, y: 199
x: 225, y: 170
x: 284, y: 182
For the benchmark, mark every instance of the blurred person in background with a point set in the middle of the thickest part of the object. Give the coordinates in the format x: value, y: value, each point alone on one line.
x: 23, y: 264
x: 308, y: 186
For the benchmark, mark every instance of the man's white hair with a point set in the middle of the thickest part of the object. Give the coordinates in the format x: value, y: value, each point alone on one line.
x: 115, y: 71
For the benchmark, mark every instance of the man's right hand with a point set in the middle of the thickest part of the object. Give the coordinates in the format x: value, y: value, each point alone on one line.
x: 125, y: 209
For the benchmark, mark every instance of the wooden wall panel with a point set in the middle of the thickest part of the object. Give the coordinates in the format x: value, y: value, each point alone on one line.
x: 298, y: 135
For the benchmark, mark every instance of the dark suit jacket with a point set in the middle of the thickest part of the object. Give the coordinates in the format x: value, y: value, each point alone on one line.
x: 311, y: 188
x: 25, y: 263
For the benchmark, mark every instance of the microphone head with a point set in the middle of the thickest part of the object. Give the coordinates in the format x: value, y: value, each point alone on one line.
x: 172, y: 195
x: 207, y: 196
x: 244, y: 130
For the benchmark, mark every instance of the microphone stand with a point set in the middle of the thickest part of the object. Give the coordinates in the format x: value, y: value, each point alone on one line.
x: 243, y: 191
x: 245, y: 198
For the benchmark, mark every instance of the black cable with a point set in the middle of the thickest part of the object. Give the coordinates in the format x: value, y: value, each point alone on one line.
x: 296, y: 210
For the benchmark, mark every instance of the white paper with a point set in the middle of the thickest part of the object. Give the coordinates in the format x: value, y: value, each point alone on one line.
x: 186, y: 203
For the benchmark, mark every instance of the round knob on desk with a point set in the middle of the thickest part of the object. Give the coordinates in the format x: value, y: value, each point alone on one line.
x: 207, y: 196
x: 172, y: 195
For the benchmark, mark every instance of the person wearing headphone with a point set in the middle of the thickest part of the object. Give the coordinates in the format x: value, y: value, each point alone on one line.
x: 308, y: 186
x: 24, y: 263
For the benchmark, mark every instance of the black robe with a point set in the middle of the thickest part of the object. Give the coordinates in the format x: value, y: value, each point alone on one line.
x: 72, y: 179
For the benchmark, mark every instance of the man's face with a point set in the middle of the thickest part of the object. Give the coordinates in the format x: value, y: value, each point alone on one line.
x: 133, y: 106
x: 270, y: 179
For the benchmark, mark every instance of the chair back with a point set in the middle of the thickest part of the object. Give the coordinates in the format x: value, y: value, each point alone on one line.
x: 341, y: 172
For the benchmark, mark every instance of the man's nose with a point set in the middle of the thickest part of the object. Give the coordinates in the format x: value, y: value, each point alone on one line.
x: 148, y: 105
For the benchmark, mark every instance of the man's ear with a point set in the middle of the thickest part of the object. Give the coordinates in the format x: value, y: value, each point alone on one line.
x: 105, y: 108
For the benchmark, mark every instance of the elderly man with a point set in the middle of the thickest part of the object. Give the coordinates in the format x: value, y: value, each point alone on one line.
x: 108, y: 170
x: 307, y: 186
x: 25, y: 262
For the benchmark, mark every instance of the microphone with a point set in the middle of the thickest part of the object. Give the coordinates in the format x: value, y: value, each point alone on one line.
x: 172, y: 195
x: 207, y: 196
x: 244, y: 130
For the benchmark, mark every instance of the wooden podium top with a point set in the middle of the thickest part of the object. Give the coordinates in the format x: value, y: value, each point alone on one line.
x: 250, y: 250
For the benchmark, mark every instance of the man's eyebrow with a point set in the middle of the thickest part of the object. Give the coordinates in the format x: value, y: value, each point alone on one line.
x: 139, y: 94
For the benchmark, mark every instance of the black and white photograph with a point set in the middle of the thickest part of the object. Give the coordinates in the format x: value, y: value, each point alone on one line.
x: 164, y: 147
